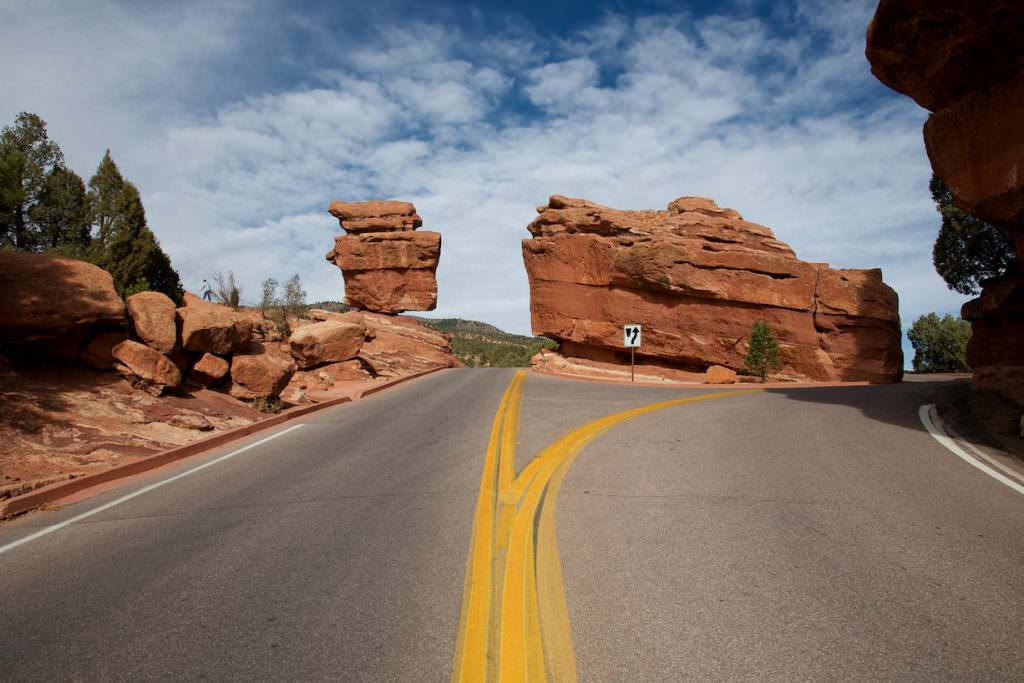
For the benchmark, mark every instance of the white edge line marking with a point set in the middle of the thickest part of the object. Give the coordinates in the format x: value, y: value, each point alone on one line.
x: 925, y: 414
x: 145, y: 489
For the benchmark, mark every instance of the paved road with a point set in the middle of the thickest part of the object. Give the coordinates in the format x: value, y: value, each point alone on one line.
x: 808, y: 534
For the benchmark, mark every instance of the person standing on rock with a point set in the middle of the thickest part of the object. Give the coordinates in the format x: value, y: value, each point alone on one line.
x: 207, y: 291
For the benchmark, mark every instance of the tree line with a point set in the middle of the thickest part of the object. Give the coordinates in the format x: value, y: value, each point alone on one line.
x: 45, y: 207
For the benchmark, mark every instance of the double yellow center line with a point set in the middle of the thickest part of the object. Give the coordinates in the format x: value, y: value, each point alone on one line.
x: 515, y: 622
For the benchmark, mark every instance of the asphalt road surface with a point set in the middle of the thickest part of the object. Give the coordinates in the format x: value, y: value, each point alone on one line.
x: 799, y: 534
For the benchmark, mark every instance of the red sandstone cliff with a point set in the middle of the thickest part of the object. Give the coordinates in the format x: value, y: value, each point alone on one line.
x: 697, y: 276
x: 963, y: 61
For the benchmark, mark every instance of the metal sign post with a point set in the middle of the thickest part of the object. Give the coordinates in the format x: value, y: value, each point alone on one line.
x: 632, y: 336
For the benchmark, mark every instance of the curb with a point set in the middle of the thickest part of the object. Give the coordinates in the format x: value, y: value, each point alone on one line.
x: 55, y: 492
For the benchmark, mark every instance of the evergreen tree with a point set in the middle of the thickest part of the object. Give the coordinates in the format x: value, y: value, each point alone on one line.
x: 123, y: 244
x: 61, y: 214
x: 11, y: 195
x: 940, y: 344
x: 763, y: 352
x: 38, y: 157
x: 968, y: 250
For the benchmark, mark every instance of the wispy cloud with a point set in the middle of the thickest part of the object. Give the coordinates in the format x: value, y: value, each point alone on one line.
x: 778, y: 117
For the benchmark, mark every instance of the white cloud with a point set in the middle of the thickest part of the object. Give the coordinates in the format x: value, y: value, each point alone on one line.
x: 477, y: 132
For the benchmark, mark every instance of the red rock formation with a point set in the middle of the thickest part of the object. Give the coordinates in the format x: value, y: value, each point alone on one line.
x: 260, y: 372
x: 209, y: 370
x: 326, y: 342
x: 963, y: 61
x: 145, y: 368
x: 697, y: 276
x: 399, y: 346
x: 51, y: 297
x: 387, y: 267
x: 211, y: 328
x: 153, y: 318
x: 99, y: 352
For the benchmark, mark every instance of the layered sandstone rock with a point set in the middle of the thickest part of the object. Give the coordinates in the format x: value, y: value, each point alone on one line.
x: 697, y: 276
x: 51, y: 297
x: 326, y: 342
x: 400, y: 346
x: 387, y: 267
x: 154, y: 320
x: 145, y: 368
x: 963, y: 62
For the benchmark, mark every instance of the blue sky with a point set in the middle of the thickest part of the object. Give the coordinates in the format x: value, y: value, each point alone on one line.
x: 240, y: 121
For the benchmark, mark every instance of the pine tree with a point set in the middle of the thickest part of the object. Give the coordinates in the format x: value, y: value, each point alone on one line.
x: 763, y: 352
x: 39, y: 155
x: 968, y: 250
x: 123, y: 244
x: 61, y: 214
x: 11, y: 195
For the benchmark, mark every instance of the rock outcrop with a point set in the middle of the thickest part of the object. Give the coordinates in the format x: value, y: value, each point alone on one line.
x: 697, y: 276
x: 46, y: 298
x: 154, y: 320
x: 145, y: 368
x: 394, y: 346
x: 330, y: 341
x: 208, y: 370
x: 963, y: 62
x: 259, y: 372
x: 212, y: 328
x: 388, y: 268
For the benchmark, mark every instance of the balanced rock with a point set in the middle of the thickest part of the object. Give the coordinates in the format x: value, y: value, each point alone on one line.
x: 145, y: 368
x: 153, y: 317
x: 208, y: 370
x: 259, y: 372
x: 387, y: 267
x: 697, y: 277
x: 212, y: 328
x: 51, y: 297
x: 326, y: 342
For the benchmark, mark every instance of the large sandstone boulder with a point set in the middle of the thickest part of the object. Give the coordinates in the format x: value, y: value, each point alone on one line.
x: 145, y: 368
x: 697, y: 276
x: 326, y: 342
x: 154, y: 319
x: 208, y: 370
x: 260, y: 372
x: 51, y: 297
x: 212, y: 328
x: 400, y: 346
x: 387, y: 267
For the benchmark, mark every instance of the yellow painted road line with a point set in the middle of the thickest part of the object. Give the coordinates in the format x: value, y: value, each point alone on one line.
x: 471, y: 652
x: 515, y: 621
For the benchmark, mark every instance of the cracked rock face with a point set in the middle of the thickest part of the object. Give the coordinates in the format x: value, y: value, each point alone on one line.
x: 697, y: 276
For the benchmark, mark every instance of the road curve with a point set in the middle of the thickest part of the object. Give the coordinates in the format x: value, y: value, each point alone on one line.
x: 788, y: 535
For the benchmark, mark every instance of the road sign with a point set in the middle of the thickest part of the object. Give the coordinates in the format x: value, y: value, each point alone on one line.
x: 632, y: 334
